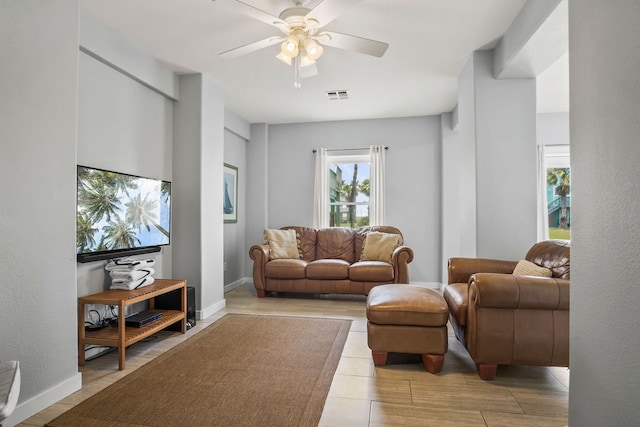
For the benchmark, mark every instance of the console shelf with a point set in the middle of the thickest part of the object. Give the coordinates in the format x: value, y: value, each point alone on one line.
x: 123, y: 336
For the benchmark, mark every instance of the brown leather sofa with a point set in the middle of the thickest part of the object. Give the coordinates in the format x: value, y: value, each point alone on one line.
x: 504, y: 319
x: 330, y: 263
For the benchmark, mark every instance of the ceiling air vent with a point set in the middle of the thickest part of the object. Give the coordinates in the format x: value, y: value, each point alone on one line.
x: 337, y: 95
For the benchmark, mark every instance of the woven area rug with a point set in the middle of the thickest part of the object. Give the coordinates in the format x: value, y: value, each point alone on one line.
x: 243, y: 370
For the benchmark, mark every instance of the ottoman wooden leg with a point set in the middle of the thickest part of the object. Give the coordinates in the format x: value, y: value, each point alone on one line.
x: 432, y: 362
x: 487, y: 371
x: 379, y: 357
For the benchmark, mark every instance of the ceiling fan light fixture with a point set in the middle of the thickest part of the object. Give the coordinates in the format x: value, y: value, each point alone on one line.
x: 313, y: 49
x: 284, y: 58
x: 290, y: 47
x: 305, y: 61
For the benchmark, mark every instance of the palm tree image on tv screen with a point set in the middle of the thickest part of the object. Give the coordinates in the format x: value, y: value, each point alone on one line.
x: 117, y: 211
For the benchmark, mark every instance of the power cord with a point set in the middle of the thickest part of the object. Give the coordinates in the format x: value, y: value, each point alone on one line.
x: 101, y: 322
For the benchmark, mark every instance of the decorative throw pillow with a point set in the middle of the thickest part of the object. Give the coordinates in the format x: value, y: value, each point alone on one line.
x: 379, y: 246
x: 283, y: 244
x: 527, y: 268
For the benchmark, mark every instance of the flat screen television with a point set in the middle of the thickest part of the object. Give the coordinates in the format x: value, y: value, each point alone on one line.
x: 120, y: 214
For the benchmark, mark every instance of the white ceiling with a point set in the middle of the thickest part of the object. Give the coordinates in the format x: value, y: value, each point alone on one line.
x: 429, y: 43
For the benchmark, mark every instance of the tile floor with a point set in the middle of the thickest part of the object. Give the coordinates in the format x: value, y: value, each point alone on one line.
x: 399, y: 394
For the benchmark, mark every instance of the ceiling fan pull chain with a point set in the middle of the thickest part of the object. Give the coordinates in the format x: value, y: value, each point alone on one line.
x: 296, y: 73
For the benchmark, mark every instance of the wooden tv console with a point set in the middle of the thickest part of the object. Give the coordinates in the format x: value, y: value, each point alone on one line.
x: 123, y: 336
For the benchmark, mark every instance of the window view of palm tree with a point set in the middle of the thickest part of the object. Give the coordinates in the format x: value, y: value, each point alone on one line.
x: 349, y: 194
x: 119, y: 211
x: 559, y: 202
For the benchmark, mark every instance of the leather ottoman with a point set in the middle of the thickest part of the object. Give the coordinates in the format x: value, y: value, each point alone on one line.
x: 407, y: 319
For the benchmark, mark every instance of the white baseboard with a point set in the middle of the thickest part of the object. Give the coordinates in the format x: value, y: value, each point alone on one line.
x: 43, y: 400
x: 212, y: 309
x: 237, y: 283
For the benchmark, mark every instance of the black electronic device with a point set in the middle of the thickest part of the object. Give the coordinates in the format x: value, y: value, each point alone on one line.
x: 172, y: 301
x: 143, y: 318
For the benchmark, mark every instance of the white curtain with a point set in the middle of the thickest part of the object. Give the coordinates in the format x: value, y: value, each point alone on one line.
x: 321, y: 190
x: 543, y: 215
x: 376, y: 186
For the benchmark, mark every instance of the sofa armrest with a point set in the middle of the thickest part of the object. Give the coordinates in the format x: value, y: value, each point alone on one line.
x: 461, y: 269
x: 260, y: 256
x: 400, y: 259
x: 506, y: 291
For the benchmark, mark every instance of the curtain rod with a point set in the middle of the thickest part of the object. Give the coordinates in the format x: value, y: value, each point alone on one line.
x: 349, y: 149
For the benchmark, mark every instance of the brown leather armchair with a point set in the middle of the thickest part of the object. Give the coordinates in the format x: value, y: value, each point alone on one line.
x: 503, y: 319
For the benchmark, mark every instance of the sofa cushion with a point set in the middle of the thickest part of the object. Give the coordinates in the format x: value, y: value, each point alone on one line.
x: 283, y: 244
x: 306, y: 241
x: 527, y: 268
x: 371, y: 271
x: 328, y: 269
x: 361, y: 235
x: 406, y: 305
x: 285, y: 269
x: 379, y: 246
x: 335, y: 243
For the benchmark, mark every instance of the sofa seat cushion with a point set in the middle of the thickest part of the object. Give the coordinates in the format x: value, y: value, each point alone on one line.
x: 328, y: 269
x: 371, y: 271
x: 285, y: 269
x: 455, y: 294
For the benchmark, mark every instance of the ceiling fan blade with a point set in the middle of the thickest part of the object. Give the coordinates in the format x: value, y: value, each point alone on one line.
x: 308, y: 71
x: 328, y: 10
x: 260, y: 15
x: 251, y: 47
x: 354, y: 43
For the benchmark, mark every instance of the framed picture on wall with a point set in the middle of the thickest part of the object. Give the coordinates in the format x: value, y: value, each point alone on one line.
x: 230, y: 193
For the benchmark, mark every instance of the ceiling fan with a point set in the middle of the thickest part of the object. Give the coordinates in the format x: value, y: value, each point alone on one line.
x: 303, y: 39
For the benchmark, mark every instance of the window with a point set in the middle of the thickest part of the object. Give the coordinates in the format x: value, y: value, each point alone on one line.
x: 349, y: 190
x: 558, y: 191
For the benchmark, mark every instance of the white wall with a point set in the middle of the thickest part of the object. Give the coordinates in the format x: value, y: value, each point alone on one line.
x: 413, y: 177
x: 198, y: 156
x: 38, y: 302
x: 490, y: 203
x: 115, y: 50
x: 464, y: 165
x: 235, y: 250
x: 126, y: 127
x: 506, y: 183
x: 257, y: 188
x: 605, y: 130
x: 553, y: 128
x: 450, y: 233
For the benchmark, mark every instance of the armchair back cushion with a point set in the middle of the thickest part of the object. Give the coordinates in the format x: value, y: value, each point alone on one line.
x: 554, y: 255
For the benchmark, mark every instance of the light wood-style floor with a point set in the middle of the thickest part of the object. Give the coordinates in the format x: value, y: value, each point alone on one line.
x: 399, y: 394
